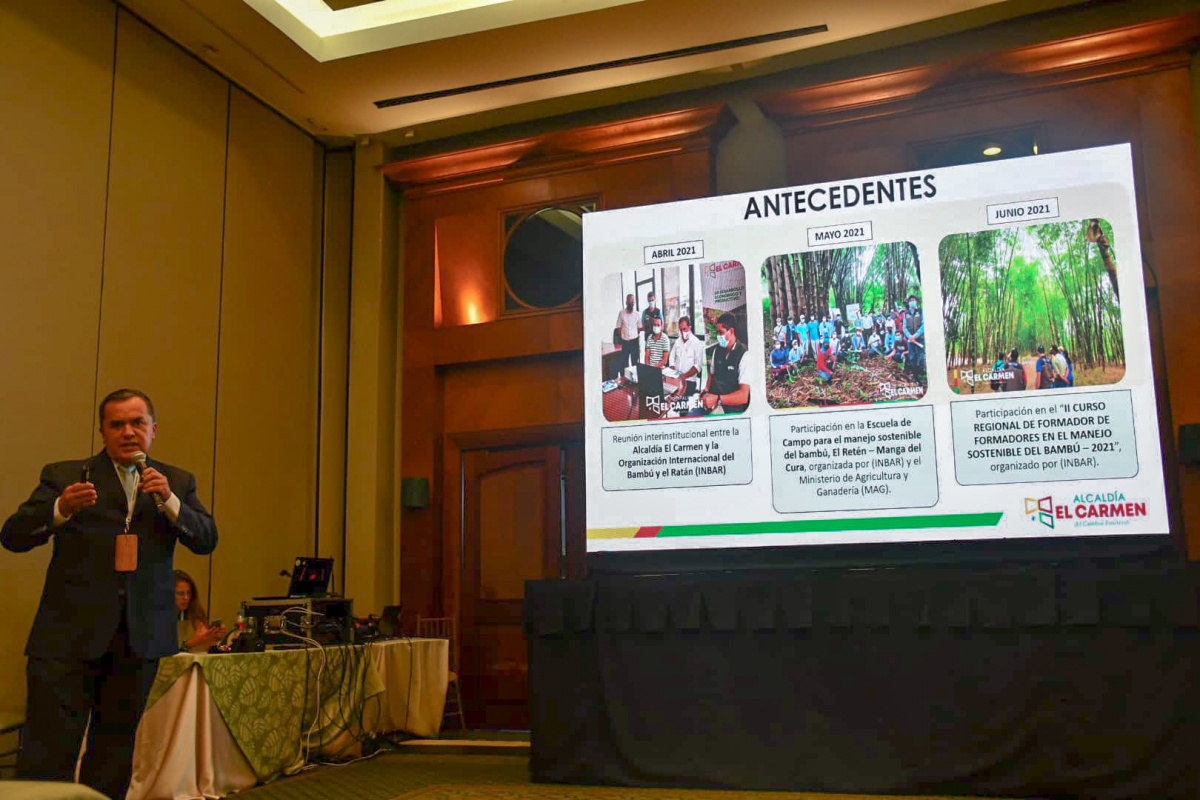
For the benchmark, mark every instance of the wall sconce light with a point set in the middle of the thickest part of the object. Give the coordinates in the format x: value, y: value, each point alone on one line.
x: 414, y: 493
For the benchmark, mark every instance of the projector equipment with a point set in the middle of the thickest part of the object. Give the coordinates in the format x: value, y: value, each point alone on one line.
x: 365, y: 630
x: 375, y: 628
x: 279, y: 621
x: 247, y: 644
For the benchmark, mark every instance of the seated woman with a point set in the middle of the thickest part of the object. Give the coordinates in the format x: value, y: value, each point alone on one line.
x: 195, y: 634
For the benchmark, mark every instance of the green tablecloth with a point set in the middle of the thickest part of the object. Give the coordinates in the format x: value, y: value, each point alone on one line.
x: 269, y: 700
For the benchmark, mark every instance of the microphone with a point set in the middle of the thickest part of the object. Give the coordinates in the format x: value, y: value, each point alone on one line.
x: 139, y: 464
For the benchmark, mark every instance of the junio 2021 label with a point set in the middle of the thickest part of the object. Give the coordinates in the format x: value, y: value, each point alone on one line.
x: 1026, y: 210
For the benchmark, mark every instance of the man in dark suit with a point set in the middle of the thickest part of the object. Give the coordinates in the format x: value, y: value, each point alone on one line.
x: 107, y: 612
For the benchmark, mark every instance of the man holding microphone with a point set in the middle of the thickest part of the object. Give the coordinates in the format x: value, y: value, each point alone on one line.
x: 107, y: 612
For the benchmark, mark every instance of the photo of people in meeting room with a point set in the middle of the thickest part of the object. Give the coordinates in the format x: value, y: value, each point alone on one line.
x: 677, y: 342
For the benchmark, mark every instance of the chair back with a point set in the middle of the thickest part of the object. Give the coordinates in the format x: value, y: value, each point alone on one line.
x: 441, y: 628
x: 12, y: 726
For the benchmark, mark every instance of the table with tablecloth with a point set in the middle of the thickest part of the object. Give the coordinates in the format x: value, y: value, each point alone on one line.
x: 215, y: 724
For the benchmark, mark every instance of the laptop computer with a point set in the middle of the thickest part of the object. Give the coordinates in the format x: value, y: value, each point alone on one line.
x: 310, y: 578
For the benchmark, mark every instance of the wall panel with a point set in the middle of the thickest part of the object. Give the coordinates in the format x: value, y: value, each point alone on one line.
x: 335, y: 356
x: 265, y: 483
x: 517, y: 393
x: 113, y: 268
x: 371, y: 447
x: 55, y: 157
x: 162, y: 256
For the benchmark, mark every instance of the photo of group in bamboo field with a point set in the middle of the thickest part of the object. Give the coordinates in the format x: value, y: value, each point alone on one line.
x: 1032, y: 308
x: 844, y: 326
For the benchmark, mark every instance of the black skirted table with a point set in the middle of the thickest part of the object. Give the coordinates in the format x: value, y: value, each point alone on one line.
x: 1070, y: 681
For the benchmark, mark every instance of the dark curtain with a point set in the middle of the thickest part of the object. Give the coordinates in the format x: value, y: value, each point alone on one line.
x: 1081, y: 682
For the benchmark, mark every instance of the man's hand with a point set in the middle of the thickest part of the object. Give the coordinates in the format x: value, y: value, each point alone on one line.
x: 75, y: 498
x: 710, y: 400
x: 155, y: 482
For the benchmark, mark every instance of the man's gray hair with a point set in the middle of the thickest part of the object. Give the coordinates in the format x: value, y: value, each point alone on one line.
x: 125, y: 394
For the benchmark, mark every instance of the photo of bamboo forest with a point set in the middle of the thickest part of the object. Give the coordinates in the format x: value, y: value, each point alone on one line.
x: 844, y: 326
x: 1033, y: 307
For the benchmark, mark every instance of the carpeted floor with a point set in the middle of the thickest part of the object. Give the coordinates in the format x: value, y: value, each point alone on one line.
x: 486, y: 735
x: 455, y: 777
x: 396, y: 775
x: 461, y: 792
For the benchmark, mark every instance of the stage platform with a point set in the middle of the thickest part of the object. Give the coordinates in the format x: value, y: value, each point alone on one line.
x: 1080, y: 680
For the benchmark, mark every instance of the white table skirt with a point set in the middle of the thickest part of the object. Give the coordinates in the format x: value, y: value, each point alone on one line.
x: 414, y: 672
x: 184, y: 749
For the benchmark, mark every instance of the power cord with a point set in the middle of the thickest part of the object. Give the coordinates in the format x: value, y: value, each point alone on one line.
x: 353, y: 658
x: 307, y: 742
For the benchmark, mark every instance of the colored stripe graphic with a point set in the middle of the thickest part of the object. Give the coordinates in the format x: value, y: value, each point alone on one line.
x: 981, y: 520
x: 612, y: 533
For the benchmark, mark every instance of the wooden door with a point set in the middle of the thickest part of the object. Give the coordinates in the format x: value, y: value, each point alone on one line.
x: 512, y: 532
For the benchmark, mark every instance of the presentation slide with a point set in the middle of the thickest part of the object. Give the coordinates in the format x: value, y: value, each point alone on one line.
x: 953, y: 354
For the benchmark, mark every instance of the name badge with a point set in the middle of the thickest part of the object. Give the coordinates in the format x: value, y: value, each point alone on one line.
x: 127, y: 553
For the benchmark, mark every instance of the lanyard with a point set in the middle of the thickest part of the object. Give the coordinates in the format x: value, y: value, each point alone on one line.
x: 127, y: 544
x: 130, y: 497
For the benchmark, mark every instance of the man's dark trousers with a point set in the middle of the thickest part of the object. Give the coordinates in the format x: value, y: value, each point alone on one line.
x: 629, y: 353
x: 62, y: 693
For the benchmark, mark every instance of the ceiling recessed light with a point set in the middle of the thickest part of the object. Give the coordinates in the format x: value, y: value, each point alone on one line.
x: 991, y: 150
x: 351, y: 29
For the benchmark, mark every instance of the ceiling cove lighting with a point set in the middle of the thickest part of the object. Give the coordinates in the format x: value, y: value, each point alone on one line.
x: 327, y: 34
x: 665, y: 55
